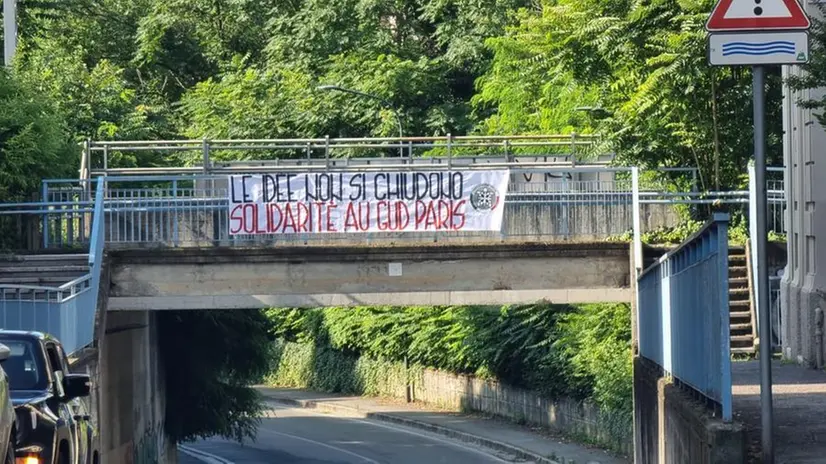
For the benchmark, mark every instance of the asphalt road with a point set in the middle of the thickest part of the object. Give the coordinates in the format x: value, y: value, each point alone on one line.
x: 299, y: 436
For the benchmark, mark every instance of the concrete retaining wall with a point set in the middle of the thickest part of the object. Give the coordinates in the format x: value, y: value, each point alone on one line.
x: 571, y: 417
x: 670, y: 428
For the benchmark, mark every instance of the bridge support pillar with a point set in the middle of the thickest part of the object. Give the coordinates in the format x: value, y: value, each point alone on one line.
x: 802, y: 286
x: 132, y: 391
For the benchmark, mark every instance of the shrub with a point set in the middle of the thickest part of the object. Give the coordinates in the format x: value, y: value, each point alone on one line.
x: 558, y: 350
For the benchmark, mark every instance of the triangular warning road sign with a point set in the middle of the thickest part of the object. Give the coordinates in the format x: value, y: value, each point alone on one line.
x: 750, y: 15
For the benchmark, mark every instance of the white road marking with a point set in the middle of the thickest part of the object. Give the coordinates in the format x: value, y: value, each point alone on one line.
x: 432, y: 437
x: 325, y: 445
x: 400, y: 429
x: 203, y: 456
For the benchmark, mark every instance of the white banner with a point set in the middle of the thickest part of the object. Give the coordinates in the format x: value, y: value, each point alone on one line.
x: 287, y: 203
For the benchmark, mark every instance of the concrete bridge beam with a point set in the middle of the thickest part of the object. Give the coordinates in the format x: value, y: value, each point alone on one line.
x: 232, y: 278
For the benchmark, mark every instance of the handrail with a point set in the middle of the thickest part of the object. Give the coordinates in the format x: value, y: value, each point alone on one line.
x: 29, y: 287
x: 97, y: 236
x: 683, y: 314
x: 332, y: 167
x: 569, y: 143
x: 752, y: 298
x: 196, y: 143
x: 46, y: 203
x: 715, y: 218
x: 68, y: 285
x: 514, y: 168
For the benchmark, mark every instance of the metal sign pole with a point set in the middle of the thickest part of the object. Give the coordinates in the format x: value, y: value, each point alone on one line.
x: 758, y: 74
x: 742, y: 34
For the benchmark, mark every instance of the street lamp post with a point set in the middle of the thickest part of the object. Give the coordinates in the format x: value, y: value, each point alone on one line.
x: 384, y: 103
x: 9, y: 31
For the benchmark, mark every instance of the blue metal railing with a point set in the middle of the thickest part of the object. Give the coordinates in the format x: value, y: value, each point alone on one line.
x: 543, y: 202
x: 182, y: 210
x: 683, y: 313
x: 68, y: 311
x: 547, y: 203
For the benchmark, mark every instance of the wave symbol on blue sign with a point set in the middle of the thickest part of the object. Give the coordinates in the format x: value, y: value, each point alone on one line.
x: 759, y: 48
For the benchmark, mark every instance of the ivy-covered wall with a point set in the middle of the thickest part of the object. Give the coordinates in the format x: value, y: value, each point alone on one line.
x: 576, y: 355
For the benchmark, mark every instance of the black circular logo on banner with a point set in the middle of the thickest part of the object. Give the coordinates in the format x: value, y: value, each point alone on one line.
x: 484, y: 197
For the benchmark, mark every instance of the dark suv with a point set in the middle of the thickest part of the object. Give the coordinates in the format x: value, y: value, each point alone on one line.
x: 53, y: 427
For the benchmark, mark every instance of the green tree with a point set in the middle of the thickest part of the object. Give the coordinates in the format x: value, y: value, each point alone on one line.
x: 597, y: 342
x: 212, y: 358
x: 643, y: 62
x: 421, y: 56
x: 34, y: 143
x: 813, y: 75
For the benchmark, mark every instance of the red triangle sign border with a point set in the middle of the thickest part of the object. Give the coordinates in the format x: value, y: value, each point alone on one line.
x: 718, y: 22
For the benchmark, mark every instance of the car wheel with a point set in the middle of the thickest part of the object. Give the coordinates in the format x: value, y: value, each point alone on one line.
x: 10, y: 452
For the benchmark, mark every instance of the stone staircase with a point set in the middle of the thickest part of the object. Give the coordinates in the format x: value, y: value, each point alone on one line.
x: 43, y: 270
x: 740, y: 313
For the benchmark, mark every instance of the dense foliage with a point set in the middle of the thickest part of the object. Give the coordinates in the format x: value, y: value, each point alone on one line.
x: 558, y: 350
x: 134, y: 69
x: 211, y: 359
x: 645, y: 64
x: 33, y: 139
x: 306, y: 365
x: 813, y: 76
x: 236, y: 68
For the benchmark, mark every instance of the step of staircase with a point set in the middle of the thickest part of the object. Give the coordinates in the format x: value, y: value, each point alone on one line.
x: 739, y: 305
x: 737, y: 260
x: 740, y: 318
x: 740, y: 328
x: 737, y: 271
x: 744, y: 341
x: 742, y: 351
x: 738, y: 294
x: 47, y: 270
x: 65, y: 268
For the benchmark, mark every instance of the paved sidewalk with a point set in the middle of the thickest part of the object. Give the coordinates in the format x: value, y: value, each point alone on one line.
x: 519, y: 441
x: 799, y: 400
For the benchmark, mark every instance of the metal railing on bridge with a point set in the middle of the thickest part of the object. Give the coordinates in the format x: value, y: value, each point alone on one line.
x: 66, y: 311
x: 541, y: 204
x: 683, y: 314
x: 545, y: 202
x: 233, y: 156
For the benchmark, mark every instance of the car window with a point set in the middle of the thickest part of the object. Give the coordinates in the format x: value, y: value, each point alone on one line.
x: 23, y: 366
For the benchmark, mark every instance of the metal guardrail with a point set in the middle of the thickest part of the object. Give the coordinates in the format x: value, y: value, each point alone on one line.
x: 554, y: 201
x: 549, y: 202
x: 210, y: 156
x: 683, y: 314
x: 542, y: 203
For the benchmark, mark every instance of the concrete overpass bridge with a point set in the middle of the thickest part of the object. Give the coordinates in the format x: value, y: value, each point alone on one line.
x: 169, y: 239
